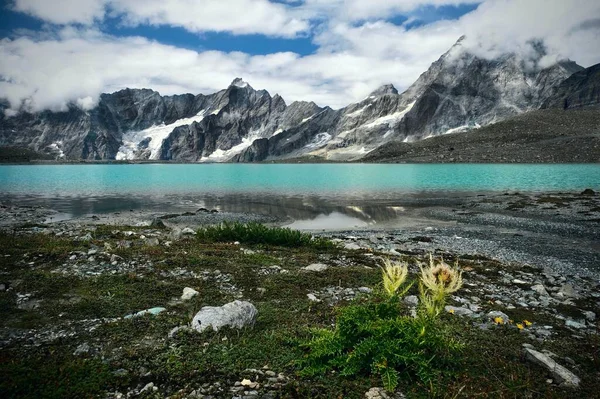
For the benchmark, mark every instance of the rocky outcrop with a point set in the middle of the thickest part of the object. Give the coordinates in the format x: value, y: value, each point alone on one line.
x: 582, y: 89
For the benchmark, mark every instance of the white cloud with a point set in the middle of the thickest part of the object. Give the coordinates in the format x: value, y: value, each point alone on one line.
x: 77, y: 64
x: 63, y: 11
x: 235, y: 16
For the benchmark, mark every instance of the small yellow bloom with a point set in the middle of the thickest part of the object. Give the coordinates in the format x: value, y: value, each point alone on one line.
x: 527, y: 323
x: 520, y: 326
x: 451, y: 311
x: 498, y: 320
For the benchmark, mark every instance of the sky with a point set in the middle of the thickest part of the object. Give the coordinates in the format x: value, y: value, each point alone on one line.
x: 332, y: 52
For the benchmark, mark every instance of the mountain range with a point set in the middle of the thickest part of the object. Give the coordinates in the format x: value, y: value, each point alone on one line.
x: 459, y: 92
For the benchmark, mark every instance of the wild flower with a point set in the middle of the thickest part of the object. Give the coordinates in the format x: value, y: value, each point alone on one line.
x: 441, y: 277
x: 451, y: 311
x: 437, y: 282
x: 394, y: 276
x: 498, y: 320
x: 520, y: 326
x: 527, y: 323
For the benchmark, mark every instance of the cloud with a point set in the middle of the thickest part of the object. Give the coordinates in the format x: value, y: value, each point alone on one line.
x: 234, y: 16
x: 63, y: 12
x: 53, y: 68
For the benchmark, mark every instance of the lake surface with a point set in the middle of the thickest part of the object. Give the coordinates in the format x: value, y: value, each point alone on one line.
x: 295, y: 190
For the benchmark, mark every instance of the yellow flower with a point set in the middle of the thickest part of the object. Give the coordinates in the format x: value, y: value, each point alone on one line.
x: 394, y: 275
x: 451, y: 311
x: 498, y: 320
x: 441, y: 277
x: 527, y: 323
x: 520, y: 326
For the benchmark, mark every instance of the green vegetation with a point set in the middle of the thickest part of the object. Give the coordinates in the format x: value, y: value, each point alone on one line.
x: 257, y: 233
x: 376, y: 337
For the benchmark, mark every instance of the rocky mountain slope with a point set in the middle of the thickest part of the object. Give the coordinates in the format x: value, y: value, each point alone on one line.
x: 458, y: 92
x: 581, y: 89
x: 549, y: 136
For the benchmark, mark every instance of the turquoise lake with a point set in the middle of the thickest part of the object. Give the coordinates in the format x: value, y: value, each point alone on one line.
x: 110, y: 187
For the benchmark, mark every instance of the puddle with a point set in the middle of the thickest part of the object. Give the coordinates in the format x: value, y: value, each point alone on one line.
x: 332, y: 221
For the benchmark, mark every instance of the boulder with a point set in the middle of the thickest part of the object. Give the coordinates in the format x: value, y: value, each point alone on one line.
x: 236, y: 314
x: 559, y: 373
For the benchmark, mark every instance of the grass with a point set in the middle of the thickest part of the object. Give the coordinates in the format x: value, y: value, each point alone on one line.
x: 492, y: 365
x: 257, y: 233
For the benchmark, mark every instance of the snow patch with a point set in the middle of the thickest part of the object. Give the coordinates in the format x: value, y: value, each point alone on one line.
x: 358, y: 112
x: 220, y: 155
x: 319, y: 141
x: 458, y: 129
x: 392, y: 119
x: 156, y: 134
x: 56, y: 147
x: 306, y: 119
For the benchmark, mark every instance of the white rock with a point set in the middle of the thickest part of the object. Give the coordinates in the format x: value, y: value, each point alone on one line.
x: 151, y: 311
x: 316, y: 267
x: 233, y: 314
x: 187, y: 231
x: 352, y: 246
x: 313, y: 298
x: 559, y: 373
x: 188, y: 293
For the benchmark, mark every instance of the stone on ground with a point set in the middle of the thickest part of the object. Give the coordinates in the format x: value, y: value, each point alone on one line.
x: 188, y: 293
x: 559, y: 373
x: 236, y: 314
x: 380, y: 393
x: 316, y: 267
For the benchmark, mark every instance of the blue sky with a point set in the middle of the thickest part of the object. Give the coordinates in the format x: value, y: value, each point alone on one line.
x: 333, y: 52
x: 12, y: 21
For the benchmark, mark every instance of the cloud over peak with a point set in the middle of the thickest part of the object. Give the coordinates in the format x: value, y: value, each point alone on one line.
x: 359, y: 45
